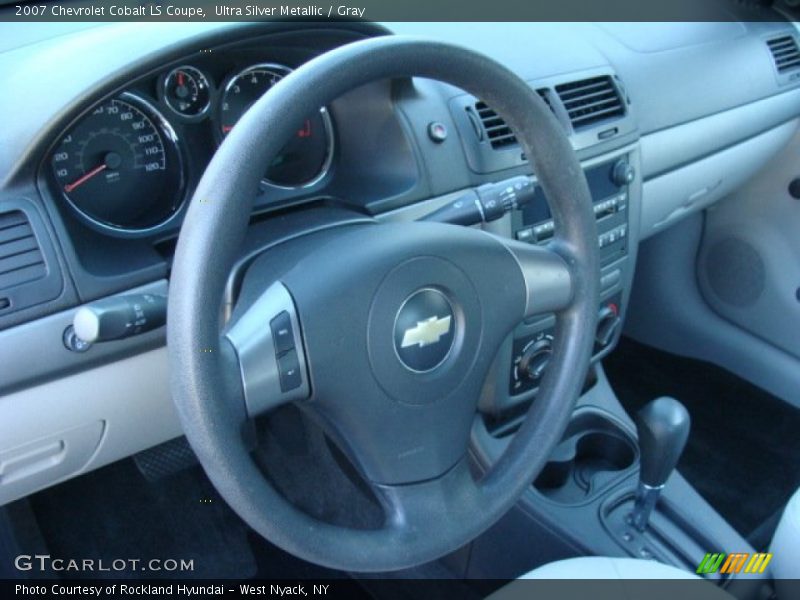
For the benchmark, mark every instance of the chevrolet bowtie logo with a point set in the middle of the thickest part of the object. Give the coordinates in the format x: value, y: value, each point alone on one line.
x: 426, y: 332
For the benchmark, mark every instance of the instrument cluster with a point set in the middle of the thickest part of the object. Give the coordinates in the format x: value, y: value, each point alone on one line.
x: 128, y: 164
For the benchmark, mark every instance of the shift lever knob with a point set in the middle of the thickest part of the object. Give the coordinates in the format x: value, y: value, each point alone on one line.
x: 662, y: 427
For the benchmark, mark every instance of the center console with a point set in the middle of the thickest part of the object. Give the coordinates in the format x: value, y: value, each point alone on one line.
x: 608, y: 184
x: 614, y: 186
x: 584, y: 500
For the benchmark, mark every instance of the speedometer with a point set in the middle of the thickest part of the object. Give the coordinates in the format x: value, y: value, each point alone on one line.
x: 307, y: 156
x: 119, y: 166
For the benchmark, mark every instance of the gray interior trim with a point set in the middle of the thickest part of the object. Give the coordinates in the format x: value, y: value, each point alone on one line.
x: 674, y: 195
x: 670, y: 148
x: 749, y: 261
x: 72, y: 425
x: 668, y: 311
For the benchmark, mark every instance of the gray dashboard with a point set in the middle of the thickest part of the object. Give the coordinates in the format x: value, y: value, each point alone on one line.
x: 702, y: 107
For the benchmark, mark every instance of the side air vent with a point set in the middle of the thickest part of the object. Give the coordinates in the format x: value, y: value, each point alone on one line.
x: 785, y: 53
x: 21, y: 259
x: 494, y: 128
x: 590, y: 100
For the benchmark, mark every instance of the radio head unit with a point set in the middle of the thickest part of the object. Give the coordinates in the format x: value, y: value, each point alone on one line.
x: 608, y: 185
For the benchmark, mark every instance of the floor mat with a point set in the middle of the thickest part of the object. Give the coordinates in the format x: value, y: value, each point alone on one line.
x: 743, y: 454
x: 115, y: 512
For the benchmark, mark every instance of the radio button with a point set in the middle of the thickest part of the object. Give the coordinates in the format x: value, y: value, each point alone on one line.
x: 525, y: 235
x: 610, y: 280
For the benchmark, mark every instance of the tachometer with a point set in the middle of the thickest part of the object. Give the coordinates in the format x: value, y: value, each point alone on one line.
x: 307, y: 156
x: 119, y: 166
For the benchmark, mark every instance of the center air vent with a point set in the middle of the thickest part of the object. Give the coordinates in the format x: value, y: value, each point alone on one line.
x: 21, y: 258
x: 590, y: 100
x: 494, y: 128
x: 785, y: 53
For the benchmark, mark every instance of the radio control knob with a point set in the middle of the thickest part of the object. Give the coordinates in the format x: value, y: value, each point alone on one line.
x: 623, y: 173
x: 535, y: 359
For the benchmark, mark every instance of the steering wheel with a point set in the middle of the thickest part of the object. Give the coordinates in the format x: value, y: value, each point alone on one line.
x: 385, y: 333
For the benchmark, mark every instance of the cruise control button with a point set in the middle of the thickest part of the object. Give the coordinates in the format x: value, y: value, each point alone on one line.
x: 289, y: 371
x: 282, y: 334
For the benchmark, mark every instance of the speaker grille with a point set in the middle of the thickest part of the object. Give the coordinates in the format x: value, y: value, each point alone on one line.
x: 735, y: 272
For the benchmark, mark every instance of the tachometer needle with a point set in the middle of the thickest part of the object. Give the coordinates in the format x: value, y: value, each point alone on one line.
x: 85, y: 177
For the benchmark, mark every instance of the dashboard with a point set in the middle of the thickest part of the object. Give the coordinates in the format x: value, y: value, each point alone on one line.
x: 103, y: 157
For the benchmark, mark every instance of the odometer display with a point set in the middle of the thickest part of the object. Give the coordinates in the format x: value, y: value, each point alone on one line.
x: 119, y: 166
x: 306, y: 157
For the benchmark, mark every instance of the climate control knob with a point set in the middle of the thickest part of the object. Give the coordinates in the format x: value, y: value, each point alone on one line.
x: 535, y: 359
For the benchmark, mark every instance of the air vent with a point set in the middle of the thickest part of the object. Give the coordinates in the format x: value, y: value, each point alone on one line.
x: 785, y: 53
x: 21, y: 258
x: 590, y: 100
x: 494, y: 127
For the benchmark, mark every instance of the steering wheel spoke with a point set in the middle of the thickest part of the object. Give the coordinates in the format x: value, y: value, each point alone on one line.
x: 548, y: 279
x: 446, y: 501
x: 269, y: 349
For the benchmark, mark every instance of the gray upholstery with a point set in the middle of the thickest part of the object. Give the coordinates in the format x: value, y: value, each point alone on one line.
x: 605, y: 567
x: 622, y: 581
x: 785, y: 548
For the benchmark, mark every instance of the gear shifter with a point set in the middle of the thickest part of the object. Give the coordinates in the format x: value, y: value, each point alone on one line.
x: 662, y: 427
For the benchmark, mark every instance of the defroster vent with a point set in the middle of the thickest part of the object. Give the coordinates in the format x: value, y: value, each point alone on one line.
x: 785, y: 53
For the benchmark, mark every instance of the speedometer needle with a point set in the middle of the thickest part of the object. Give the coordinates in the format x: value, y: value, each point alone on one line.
x: 85, y: 177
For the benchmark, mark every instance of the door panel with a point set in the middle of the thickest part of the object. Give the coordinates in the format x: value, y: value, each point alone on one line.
x: 749, y: 261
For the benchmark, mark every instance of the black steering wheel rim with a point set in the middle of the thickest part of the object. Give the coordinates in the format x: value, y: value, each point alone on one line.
x: 451, y: 510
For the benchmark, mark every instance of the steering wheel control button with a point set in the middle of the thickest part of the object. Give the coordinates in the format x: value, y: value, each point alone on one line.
x: 272, y: 363
x: 282, y: 334
x: 289, y: 371
x: 424, y: 330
